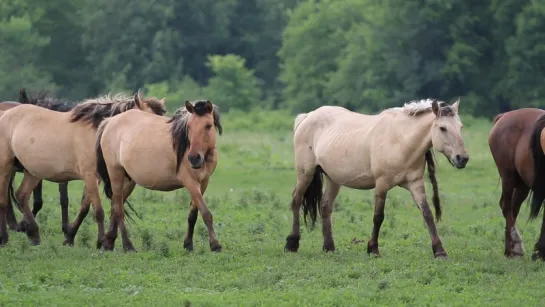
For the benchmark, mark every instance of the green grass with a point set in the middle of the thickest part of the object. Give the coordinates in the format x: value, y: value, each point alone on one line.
x: 249, y: 197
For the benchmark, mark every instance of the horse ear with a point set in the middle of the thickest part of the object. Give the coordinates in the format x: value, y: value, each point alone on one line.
x: 23, y: 98
x: 188, y: 106
x: 435, y: 107
x: 138, y: 99
x: 456, y: 105
x: 209, y: 106
x: 162, y: 100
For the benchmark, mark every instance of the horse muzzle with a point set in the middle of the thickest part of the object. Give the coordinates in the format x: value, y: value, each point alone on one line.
x: 196, y: 160
x: 460, y: 161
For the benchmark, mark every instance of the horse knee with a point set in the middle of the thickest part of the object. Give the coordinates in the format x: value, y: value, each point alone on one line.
x: 99, y: 213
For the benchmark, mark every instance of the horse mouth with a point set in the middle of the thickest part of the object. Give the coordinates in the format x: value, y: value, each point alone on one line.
x: 196, y: 166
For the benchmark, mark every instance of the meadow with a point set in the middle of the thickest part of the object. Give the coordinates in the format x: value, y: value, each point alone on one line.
x: 249, y: 196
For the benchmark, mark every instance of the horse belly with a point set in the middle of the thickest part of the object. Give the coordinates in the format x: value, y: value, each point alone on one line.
x: 154, y: 177
x: 52, y: 162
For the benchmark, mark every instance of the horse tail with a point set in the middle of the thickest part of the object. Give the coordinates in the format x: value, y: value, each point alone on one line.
x: 431, y: 173
x: 538, y: 186
x: 497, y: 117
x: 298, y: 120
x: 313, y: 197
x: 102, y: 169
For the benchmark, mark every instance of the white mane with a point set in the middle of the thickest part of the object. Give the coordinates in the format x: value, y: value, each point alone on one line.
x: 416, y: 106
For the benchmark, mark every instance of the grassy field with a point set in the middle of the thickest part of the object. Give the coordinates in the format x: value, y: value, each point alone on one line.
x: 249, y: 197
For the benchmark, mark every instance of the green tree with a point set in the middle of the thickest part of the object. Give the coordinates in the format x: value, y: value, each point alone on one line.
x: 233, y: 86
x: 19, y: 57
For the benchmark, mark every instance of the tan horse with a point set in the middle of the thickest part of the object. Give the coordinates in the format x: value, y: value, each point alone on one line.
x: 363, y: 152
x: 58, y: 147
x: 161, y: 154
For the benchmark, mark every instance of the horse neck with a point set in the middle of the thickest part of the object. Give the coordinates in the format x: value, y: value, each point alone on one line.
x: 417, y: 134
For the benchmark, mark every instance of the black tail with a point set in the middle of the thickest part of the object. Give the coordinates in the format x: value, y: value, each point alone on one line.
x: 538, y: 186
x: 313, y: 197
x: 431, y: 173
x: 102, y: 171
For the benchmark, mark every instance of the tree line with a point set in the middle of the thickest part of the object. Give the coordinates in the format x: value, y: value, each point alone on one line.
x: 276, y: 54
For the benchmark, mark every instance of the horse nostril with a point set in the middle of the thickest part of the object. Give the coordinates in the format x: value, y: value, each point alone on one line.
x: 458, y: 157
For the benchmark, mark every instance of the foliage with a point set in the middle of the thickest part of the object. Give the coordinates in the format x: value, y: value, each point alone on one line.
x: 301, y: 54
x: 233, y: 84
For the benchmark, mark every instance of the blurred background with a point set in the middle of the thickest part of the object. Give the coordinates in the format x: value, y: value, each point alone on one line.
x: 291, y: 55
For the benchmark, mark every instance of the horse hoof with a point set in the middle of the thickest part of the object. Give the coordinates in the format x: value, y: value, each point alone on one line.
x: 537, y: 256
x: 129, y: 249
x: 372, y: 250
x: 292, y: 244
x: 21, y: 227
x: 3, y: 240
x: 441, y: 256
x: 215, y: 247
x: 328, y: 248
x: 188, y: 247
x: 34, y: 241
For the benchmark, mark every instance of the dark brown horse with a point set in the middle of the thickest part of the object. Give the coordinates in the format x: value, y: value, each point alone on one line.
x: 46, y: 101
x: 517, y: 146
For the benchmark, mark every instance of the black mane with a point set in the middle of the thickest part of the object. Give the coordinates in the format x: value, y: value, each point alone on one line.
x: 178, y: 130
x: 45, y: 100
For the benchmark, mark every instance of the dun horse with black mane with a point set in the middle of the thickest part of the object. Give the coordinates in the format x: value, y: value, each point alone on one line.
x: 161, y: 154
x: 29, y: 136
x: 372, y: 151
x: 43, y: 100
x: 517, y: 143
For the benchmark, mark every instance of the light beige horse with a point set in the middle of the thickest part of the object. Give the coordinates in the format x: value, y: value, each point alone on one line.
x: 58, y: 147
x: 372, y: 151
x: 161, y: 154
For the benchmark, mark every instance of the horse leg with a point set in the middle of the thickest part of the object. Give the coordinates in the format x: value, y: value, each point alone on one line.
x: 91, y: 191
x: 331, y: 192
x: 117, y: 213
x: 4, y: 208
x: 507, y: 195
x: 197, y: 198
x: 378, y: 218
x: 192, y: 220
x: 63, y: 193
x: 520, y: 194
x: 70, y: 231
x: 127, y: 190
x: 10, y: 213
x: 38, y: 200
x: 28, y: 223
x: 303, y: 181
x: 418, y: 193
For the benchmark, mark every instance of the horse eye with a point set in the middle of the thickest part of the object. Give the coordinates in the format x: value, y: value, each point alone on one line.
x: 208, y: 127
x: 444, y: 129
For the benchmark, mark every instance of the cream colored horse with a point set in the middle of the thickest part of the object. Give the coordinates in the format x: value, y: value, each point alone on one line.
x: 162, y: 154
x: 58, y: 147
x: 372, y: 151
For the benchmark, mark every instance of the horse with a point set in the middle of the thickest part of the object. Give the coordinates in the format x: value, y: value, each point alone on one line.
x: 42, y: 100
x: 162, y: 154
x: 29, y: 135
x: 380, y: 151
x: 516, y: 142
